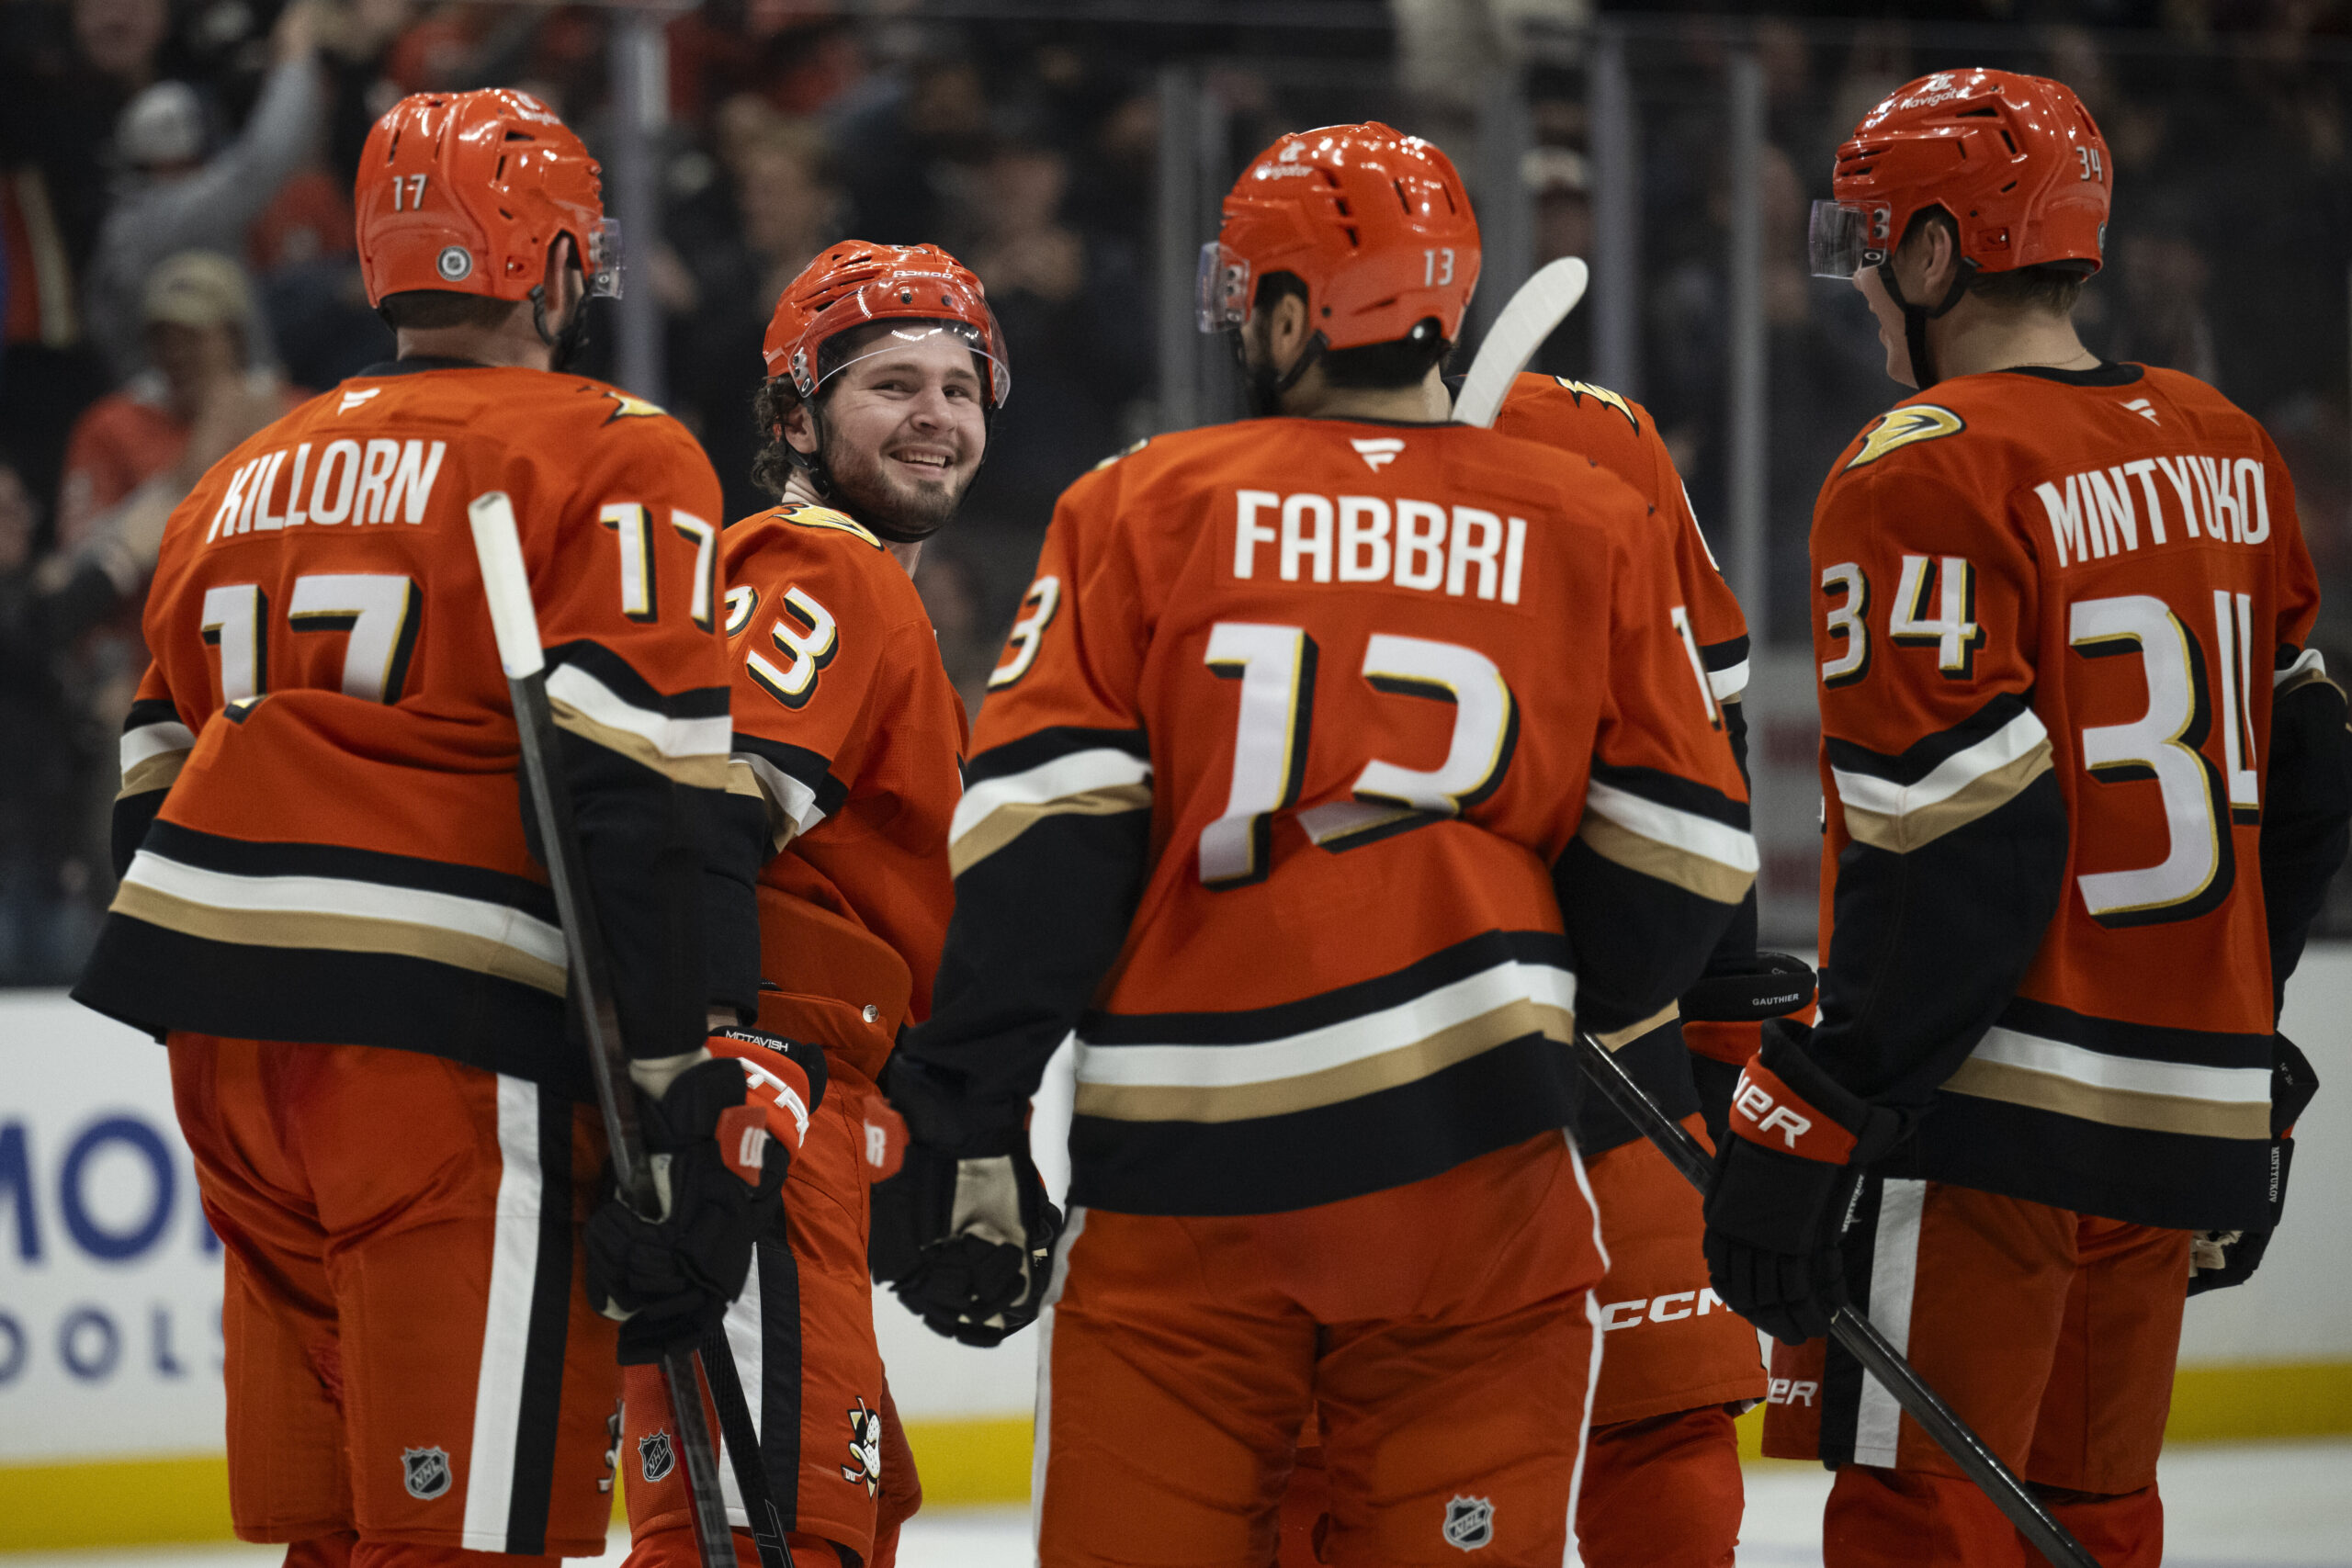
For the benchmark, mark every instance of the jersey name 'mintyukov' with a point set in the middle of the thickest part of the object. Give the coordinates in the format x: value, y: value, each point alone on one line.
x: 354, y: 481
x: 1370, y: 538
x: 2095, y: 514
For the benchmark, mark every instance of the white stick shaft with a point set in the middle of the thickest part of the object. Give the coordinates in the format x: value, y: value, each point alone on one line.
x: 1541, y: 303
x: 507, y: 584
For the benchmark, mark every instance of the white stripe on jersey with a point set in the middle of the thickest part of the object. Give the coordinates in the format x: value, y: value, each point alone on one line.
x: 1102, y: 767
x: 154, y: 741
x: 794, y: 799
x: 746, y: 1339
x: 1729, y: 682
x: 672, y: 738
x: 1895, y: 1272
x: 2172, y: 1080
x: 1886, y: 798
x: 1685, y: 830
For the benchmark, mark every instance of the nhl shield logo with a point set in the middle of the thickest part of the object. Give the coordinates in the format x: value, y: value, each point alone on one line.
x: 653, y: 1455
x: 1469, y: 1522
x: 426, y: 1471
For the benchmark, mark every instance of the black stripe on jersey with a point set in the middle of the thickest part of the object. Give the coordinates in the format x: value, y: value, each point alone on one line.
x: 798, y: 763
x: 1248, y: 1026
x: 1518, y: 1090
x: 1658, y: 1062
x: 539, y: 1419
x: 248, y: 857
x: 156, y: 979
x: 2306, y: 804
x: 783, y: 1355
x: 1639, y: 942
x: 1924, y: 757
x: 2176, y: 1181
x: 134, y: 818
x: 1673, y: 790
x: 1044, y: 745
x: 1718, y: 656
x: 622, y: 680
x: 151, y: 710
x: 2146, y: 1041
x: 1842, y: 1376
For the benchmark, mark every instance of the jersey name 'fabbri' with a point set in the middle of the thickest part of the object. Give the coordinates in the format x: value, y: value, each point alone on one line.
x: 319, y: 834
x: 1332, y: 771
x: 2065, y: 697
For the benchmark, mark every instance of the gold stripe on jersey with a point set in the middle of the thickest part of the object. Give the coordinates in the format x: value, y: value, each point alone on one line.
x: 154, y: 772
x: 1710, y: 859
x: 340, y: 915
x: 1101, y: 781
x: 1331, y: 1065
x: 1962, y: 787
x: 700, y: 772
x: 2118, y: 1091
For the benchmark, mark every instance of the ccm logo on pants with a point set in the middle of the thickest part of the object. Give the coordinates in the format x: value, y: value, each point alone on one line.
x: 1671, y: 1308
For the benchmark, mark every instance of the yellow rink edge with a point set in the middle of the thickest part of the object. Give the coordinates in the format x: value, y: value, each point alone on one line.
x: 963, y: 1462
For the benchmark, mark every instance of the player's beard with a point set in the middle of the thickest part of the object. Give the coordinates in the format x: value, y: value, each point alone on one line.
x: 895, y: 507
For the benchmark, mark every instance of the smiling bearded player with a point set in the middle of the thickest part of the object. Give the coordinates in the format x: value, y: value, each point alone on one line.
x: 885, y: 365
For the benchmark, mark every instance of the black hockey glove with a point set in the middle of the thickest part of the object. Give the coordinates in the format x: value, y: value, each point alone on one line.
x: 1771, y: 985
x: 2218, y: 1259
x: 720, y: 1142
x: 965, y: 1244
x: 1784, y: 1181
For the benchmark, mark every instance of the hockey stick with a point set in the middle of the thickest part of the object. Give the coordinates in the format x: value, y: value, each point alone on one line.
x: 507, y: 586
x: 1857, y: 1334
x: 1541, y: 303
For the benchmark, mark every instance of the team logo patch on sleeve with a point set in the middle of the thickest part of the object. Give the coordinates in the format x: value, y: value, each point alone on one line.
x: 865, y: 1447
x: 1903, y: 427
x: 1469, y: 1522
x: 1580, y: 391
x: 629, y: 407
x: 425, y: 1472
x: 654, y: 1456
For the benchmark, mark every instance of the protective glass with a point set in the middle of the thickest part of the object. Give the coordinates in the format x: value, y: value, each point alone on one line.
x: 1223, y: 288
x: 604, y: 260
x: 1844, y: 237
x: 903, y: 333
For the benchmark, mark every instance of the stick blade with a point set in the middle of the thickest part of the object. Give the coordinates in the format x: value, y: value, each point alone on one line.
x: 1541, y: 303
x: 506, y: 583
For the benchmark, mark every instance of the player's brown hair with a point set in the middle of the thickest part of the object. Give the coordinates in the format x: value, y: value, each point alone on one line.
x: 2053, y: 287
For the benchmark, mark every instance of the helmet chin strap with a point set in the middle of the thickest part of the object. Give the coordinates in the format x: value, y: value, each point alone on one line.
x: 564, y: 344
x: 1262, y: 386
x: 1917, y: 317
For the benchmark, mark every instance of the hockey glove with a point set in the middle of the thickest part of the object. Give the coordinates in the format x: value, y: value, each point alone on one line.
x: 964, y: 1243
x: 1783, y: 1183
x: 1723, y: 1019
x: 2218, y: 1259
x: 719, y: 1156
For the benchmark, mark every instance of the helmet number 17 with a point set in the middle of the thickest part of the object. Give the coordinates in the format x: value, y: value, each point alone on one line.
x: 414, y: 185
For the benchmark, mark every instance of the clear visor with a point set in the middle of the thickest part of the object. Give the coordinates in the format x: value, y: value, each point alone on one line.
x: 604, y: 260
x: 1224, y: 288
x: 1844, y: 238
x: 904, y: 334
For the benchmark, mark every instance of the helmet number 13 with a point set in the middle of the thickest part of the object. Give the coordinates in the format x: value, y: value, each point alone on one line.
x: 1437, y: 267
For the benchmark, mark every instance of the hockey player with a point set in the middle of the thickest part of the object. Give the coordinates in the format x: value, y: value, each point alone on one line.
x: 1661, y: 1476
x: 1341, y: 762
x: 2085, y: 784
x: 331, y: 911
x: 885, y: 366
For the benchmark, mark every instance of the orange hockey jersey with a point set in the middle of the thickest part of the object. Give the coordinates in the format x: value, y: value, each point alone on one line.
x: 320, y: 828
x: 1333, y: 770
x: 851, y: 737
x: 2085, y: 784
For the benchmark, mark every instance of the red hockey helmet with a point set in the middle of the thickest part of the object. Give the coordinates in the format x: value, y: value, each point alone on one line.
x: 464, y: 192
x: 856, y: 282
x: 1374, y: 222
x: 2017, y: 160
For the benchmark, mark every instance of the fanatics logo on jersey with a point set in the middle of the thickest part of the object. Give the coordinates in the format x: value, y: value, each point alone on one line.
x: 2145, y: 408
x: 353, y: 400
x: 1469, y: 1522
x: 865, y: 1447
x: 1378, y: 453
x: 654, y: 1457
x: 1903, y: 427
x: 426, y: 1472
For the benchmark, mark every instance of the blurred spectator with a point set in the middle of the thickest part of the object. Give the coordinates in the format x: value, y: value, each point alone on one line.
x: 954, y: 595
x: 172, y: 198
x: 203, y: 392
x: 1077, y: 320
x: 914, y: 145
